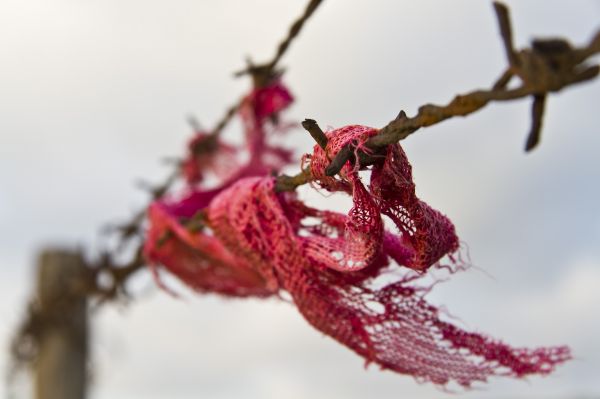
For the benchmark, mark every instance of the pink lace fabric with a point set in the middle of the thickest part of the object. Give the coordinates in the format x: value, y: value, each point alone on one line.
x: 349, y: 277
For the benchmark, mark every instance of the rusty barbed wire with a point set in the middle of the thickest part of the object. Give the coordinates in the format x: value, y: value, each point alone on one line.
x: 549, y: 66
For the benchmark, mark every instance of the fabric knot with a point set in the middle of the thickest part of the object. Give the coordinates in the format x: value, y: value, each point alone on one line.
x: 354, y: 135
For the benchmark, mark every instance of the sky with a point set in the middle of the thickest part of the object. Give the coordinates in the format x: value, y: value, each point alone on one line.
x: 93, y: 94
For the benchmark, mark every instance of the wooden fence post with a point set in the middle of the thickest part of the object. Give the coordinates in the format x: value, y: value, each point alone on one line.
x: 61, y: 364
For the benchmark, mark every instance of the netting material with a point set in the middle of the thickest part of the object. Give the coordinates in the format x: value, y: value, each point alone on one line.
x: 254, y: 241
x: 255, y: 111
x: 201, y: 261
x: 177, y: 239
x: 426, y: 234
x: 205, y: 153
x: 392, y: 326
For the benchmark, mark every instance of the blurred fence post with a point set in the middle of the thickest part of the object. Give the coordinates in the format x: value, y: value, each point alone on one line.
x: 61, y: 365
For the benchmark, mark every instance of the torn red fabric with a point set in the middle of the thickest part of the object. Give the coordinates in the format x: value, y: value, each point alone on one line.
x: 199, y: 260
x: 207, y: 153
x: 349, y: 277
x: 392, y: 326
x: 269, y: 100
x: 259, y: 112
x: 426, y: 234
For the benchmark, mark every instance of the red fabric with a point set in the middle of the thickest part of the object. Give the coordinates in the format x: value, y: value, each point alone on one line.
x: 426, y: 234
x: 391, y: 325
x: 198, y: 259
x: 208, y: 153
x: 269, y: 100
x: 339, y: 271
x: 183, y: 252
x: 256, y: 110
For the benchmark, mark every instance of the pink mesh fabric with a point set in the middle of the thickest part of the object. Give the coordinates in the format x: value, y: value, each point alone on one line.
x: 392, y: 326
x: 258, y: 112
x: 253, y: 241
x: 199, y: 260
x: 426, y: 234
x: 354, y: 135
x: 356, y: 243
x: 269, y: 100
x: 424, y: 230
x: 206, y: 153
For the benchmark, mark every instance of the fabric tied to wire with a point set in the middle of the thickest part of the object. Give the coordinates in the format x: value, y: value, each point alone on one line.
x: 177, y: 236
x: 207, y: 153
x: 259, y: 112
x: 269, y: 100
x: 426, y: 234
x: 348, y: 276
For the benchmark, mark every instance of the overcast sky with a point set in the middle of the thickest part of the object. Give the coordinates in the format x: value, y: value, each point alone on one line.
x: 94, y: 93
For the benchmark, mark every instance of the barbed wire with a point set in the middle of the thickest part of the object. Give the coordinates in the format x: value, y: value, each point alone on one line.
x: 549, y: 66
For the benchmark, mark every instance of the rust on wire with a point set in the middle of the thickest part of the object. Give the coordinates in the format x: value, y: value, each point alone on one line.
x: 312, y: 127
x: 550, y: 65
